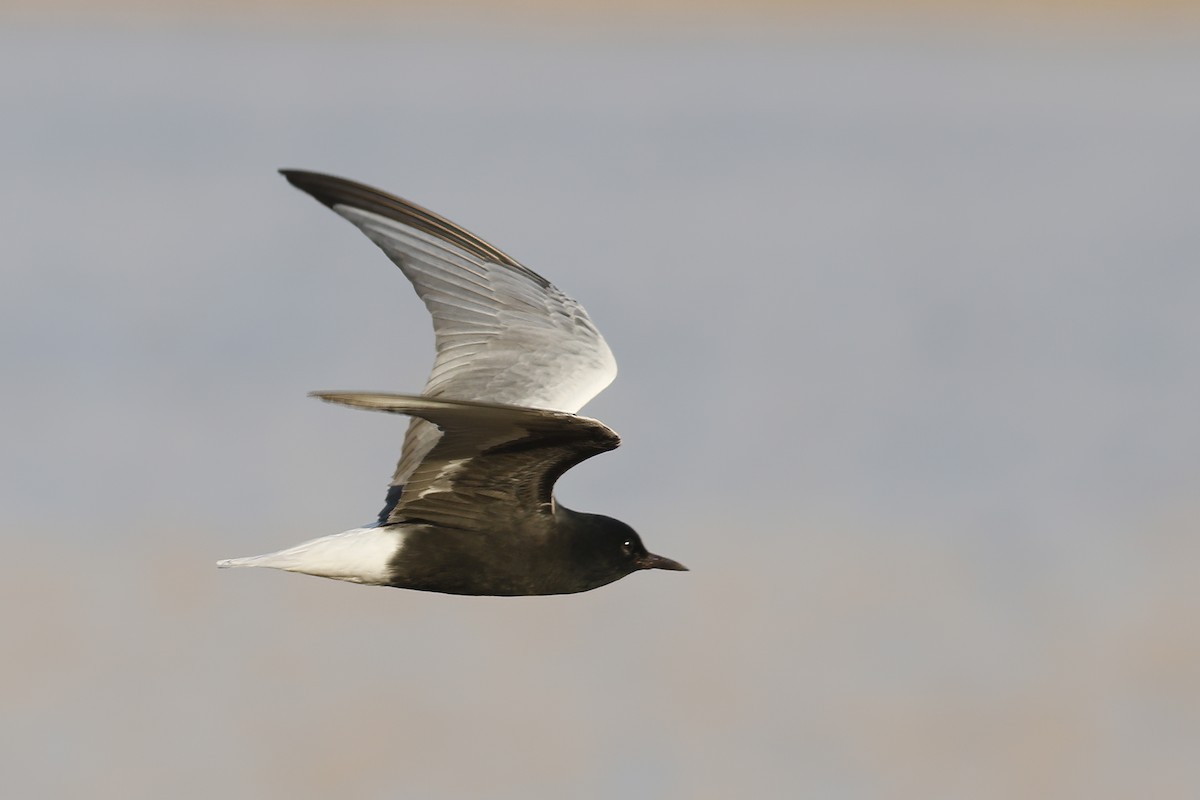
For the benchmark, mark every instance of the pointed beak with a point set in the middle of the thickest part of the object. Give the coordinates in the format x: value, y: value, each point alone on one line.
x: 651, y: 561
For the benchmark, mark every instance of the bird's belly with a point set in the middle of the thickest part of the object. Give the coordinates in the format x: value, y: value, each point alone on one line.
x: 479, y: 563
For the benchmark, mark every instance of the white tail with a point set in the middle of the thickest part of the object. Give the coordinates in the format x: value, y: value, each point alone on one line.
x: 360, y: 555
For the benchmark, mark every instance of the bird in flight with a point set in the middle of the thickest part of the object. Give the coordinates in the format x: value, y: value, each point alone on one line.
x: 471, y: 508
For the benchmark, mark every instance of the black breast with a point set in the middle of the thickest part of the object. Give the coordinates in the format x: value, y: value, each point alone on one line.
x: 456, y: 561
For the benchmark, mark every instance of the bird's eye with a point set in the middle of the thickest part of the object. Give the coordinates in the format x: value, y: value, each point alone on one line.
x: 627, y: 546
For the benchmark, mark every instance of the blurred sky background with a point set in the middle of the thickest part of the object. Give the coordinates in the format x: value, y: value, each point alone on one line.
x: 907, y: 307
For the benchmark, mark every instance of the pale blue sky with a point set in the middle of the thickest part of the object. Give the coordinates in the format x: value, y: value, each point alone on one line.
x: 907, y: 327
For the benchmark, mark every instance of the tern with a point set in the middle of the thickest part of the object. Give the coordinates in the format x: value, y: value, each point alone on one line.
x: 471, y: 509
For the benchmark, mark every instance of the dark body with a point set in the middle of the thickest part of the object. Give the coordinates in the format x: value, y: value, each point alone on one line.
x: 576, y: 553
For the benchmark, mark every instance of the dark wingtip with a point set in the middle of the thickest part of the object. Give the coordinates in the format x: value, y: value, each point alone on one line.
x: 331, y: 191
x: 316, y: 184
x: 293, y: 175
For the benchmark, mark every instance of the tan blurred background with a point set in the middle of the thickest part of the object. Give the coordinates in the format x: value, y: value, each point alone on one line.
x: 906, y: 304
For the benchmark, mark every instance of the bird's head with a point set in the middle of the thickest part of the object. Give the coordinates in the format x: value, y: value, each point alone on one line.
x: 611, y: 550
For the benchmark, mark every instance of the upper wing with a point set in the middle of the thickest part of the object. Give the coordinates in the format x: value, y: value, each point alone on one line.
x: 503, y: 333
x: 491, y: 460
